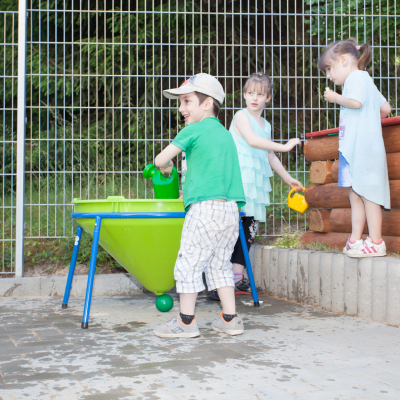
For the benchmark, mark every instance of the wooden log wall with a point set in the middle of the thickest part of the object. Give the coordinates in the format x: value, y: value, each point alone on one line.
x: 339, y: 220
x: 330, y: 214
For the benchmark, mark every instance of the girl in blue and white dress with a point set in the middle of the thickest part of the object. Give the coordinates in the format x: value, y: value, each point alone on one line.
x: 362, y: 156
x: 252, y: 136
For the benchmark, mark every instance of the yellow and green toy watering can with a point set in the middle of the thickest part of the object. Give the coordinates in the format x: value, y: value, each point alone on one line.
x: 297, y: 202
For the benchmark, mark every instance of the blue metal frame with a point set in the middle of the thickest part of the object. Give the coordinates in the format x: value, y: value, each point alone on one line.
x: 248, y: 265
x: 95, y: 245
x: 128, y: 215
x: 72, y: 266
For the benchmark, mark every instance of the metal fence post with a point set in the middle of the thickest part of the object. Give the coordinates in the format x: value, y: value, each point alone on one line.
x: 21, y: 125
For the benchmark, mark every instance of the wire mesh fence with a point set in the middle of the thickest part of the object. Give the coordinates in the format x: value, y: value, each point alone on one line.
x: 8, y: 140
x: 95, y: 72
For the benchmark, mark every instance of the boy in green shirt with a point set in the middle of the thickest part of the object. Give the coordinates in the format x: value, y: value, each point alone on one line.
x: 212, y: 192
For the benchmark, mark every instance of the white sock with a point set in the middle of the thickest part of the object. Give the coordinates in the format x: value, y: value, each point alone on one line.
x: 237, y: 277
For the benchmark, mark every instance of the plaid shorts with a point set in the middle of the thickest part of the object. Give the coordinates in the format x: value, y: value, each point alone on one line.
x: 209, y: 235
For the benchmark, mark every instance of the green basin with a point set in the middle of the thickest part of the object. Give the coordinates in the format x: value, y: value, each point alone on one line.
x: 147, y: 248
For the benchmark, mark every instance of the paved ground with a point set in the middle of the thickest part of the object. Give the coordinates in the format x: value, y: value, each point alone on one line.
x: 287, y: 352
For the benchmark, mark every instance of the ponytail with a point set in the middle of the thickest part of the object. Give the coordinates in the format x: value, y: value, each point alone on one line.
x: 365, y: 57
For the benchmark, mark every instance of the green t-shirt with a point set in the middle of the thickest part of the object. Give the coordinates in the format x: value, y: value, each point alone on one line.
x: 213, y: 170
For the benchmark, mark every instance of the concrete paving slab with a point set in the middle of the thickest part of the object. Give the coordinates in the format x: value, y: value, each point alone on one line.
x: 288, y: 351
x: 384, y: 391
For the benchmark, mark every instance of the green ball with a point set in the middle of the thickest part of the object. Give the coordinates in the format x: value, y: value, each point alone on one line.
x: 164, y: 302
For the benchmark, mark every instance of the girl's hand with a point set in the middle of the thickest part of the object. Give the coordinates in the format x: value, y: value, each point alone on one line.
x: 330, y: 95
x: 294, y: 184
x: 291, y: 143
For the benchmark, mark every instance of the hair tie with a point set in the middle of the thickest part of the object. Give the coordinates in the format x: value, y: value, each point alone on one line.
x: 358, y: 48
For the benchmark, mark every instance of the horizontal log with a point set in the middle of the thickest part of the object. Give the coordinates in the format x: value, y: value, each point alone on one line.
x: 340, y: 221
x: 394, y: 187
x: 319, y: 220
x: 327, y: 147
x: 391, y: 138
x: 338, y: 240
x: 335, y: 171
x: 393, y: 164
x: 320, y: 149
x: 320, y: 172
x: 332, y: 196
x: 327, y: 196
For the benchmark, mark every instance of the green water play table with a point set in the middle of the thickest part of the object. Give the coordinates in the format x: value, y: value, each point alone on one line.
x: 142, y: 235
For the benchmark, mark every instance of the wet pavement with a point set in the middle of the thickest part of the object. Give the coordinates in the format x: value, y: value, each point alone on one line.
x: 287, y: 352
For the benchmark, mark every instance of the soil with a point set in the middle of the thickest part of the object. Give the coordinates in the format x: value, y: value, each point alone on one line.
x: 59, y: 269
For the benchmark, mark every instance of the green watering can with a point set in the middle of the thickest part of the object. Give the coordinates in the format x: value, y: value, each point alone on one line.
x: 164, y: 187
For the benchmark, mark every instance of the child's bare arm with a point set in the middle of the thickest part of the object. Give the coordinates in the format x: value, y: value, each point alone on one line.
x: 243, y: 127
x: 163, y: 160
x: 277, y: 166
x: 385, y: 110
x: 333, y: 97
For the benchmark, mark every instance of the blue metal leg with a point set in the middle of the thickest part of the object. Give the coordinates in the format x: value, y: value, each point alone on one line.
x: 92, y: 269
x: 72, y: 267
x: 248, y: 265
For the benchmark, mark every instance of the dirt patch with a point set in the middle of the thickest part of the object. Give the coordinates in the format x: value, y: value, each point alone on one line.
x: 52, y: 257
x: 56, y: 269
x: 292, y: 241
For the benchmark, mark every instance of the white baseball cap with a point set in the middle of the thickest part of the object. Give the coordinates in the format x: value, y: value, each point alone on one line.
x: 202, y: 83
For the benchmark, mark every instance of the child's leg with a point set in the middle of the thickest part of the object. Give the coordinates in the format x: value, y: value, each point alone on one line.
x: 219, y: 273
x: 237, y: 268
x: 237, y: 259
x: 374, y: 219
x: 227, y: 297
x: 238, y: 263
x: 187, y: 303
x: 358, y: 216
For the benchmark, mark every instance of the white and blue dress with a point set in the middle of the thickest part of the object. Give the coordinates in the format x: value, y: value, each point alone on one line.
x: 362, y: 155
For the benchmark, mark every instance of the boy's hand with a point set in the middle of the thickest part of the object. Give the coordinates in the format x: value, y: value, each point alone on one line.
x: 295, y: 184
x: 330, y: 95
x: 167, y: 169
x: 291, y: 143
x: 180, y: 194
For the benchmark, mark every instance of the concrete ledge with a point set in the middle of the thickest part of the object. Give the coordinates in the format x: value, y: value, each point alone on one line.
x: 104, y: 285
x: 366, y: 287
